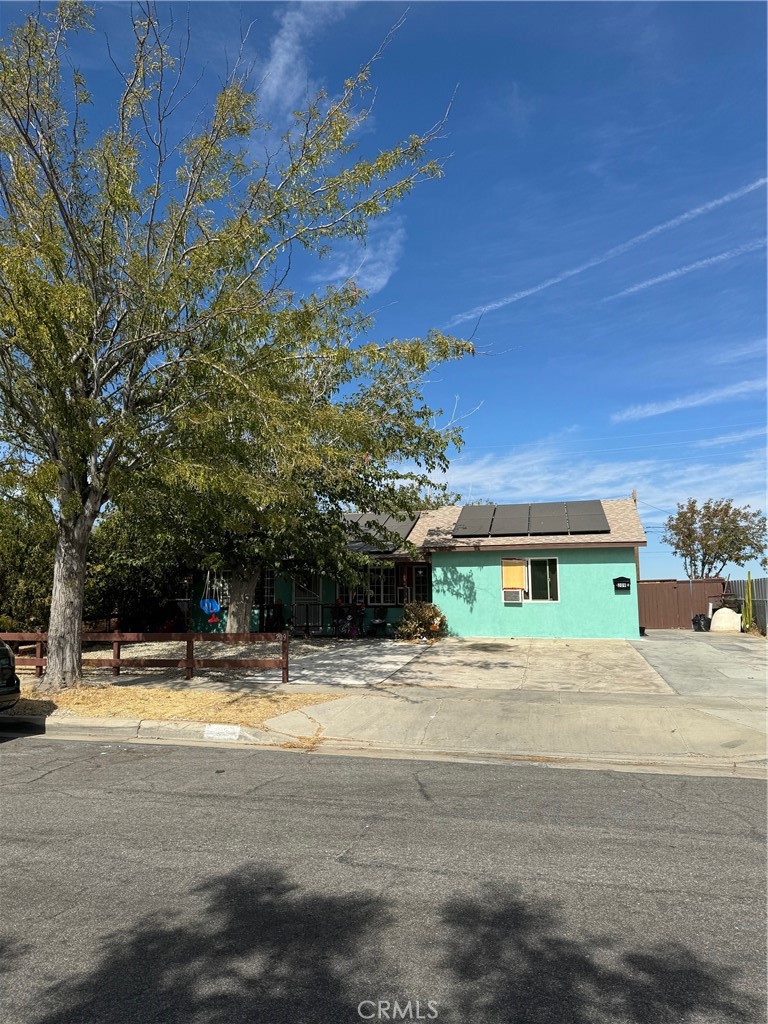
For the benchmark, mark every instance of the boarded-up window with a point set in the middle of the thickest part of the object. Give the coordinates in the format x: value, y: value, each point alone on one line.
x: 513, y: 574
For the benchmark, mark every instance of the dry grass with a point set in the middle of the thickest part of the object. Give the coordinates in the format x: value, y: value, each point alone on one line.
x: 149, y: 702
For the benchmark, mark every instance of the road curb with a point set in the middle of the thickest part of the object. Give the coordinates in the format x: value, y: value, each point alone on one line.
x: 139, y: 729
x: 212, y: 733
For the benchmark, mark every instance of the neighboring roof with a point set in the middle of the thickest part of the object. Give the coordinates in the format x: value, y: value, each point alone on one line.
x: 433, y: 532
x: 368, y: 521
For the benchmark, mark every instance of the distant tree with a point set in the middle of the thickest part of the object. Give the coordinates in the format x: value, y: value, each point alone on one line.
x: 709, y: 536
x: 148, y: 322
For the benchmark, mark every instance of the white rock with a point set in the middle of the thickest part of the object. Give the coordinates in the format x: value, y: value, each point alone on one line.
x: 726, y: 620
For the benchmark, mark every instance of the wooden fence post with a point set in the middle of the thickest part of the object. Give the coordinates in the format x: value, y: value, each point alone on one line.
x: 190, y: 670
x: 116, y: 657
x: 284, y: 654
x: 38, y: 654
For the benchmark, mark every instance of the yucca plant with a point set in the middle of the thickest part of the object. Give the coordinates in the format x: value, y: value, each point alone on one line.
x: 746, y: 608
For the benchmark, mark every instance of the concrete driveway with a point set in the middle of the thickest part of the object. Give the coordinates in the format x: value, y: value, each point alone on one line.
x: 711, y: 664
x: 588, y: 666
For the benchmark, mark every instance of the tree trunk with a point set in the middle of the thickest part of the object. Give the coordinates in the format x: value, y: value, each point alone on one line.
x: 64, y: 663
x: 241, y: 592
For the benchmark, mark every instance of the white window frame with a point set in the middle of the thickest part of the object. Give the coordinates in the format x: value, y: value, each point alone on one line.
x: 364, y: 593
x: 533, y: 558
x: 266, y: 586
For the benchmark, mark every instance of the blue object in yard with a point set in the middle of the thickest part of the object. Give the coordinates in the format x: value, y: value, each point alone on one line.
x: 210, y: 605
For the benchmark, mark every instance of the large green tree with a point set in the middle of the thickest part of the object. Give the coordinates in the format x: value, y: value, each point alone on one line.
x: 147, y: 323
x: 27, y: 546
x: 710, y: 536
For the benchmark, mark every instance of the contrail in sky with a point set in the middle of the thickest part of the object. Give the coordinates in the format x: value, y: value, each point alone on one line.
x: 722, y: 257
x: 617, y: 250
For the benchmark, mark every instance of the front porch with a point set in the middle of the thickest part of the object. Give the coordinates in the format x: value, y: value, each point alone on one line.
x: 312, y: 606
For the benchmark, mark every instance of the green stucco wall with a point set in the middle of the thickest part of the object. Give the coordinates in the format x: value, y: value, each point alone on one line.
x: 467, y: 588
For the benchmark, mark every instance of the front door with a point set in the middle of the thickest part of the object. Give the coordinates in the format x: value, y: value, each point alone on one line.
x: 307, y: 604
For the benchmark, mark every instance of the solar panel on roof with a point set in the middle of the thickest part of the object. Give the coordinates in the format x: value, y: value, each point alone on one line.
x: 547, y: 508
x: 543, y: 527
x: 539, y: 519
x: 474, y: 521
x: 548, y: 517
x: 587, y: 517
x: 588, y: 524
x: 510, y: 521
x: 402, y: 527
x: 584, y: 508
x: 374, y: 523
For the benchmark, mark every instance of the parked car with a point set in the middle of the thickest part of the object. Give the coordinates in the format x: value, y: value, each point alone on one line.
x: 10, y: 687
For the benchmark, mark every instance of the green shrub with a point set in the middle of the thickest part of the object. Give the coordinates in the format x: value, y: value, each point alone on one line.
x: 421, y: 620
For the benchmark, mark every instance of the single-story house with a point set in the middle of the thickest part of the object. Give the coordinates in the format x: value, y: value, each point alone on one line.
x: 553, y: 569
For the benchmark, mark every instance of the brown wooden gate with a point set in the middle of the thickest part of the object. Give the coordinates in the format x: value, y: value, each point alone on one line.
x: 671, y: 604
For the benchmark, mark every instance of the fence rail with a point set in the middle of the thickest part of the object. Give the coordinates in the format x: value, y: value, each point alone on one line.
x: 189, y: 662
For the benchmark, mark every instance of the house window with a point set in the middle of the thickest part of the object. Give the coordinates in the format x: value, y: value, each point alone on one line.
x: 265, y: 588
x: 382, y: 585
x: 543, y: 580
x: 351, y: 595
x: 535, y: 577
x: 381, y: 588
x: 422, y: 583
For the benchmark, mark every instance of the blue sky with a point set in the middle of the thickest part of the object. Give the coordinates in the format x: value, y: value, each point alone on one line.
x: 600, y: 228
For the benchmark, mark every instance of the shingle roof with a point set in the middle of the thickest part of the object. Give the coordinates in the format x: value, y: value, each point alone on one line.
x: 433, y: 531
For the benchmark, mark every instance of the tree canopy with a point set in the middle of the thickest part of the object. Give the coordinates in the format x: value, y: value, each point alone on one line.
x: 709, y: 536
x: 151, y: 320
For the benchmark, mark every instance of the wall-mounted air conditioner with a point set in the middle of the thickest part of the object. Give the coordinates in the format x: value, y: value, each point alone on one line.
x: 513, y: 597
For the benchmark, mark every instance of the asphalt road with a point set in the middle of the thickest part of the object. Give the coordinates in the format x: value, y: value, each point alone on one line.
x: 222, y: 886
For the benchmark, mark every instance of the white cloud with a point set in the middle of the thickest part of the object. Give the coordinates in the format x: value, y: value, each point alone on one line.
x: 698, y: 398
x: 553, y: 469
x: 735, y: 353
x: 729, y: 439
x: 617, y: 250
x: 286, y: 82
x: 371, y: 266
x: 723, y: 257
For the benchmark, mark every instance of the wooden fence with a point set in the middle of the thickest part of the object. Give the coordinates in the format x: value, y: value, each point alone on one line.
x: 189, y: 663
x: 671, y: 604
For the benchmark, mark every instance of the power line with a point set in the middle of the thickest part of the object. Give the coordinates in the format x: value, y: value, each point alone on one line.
x: 611, y: 437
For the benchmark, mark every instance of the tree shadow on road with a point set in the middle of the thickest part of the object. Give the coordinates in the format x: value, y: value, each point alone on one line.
x: 257, y: 950
x: 512, y: 963
x: 251, y: 947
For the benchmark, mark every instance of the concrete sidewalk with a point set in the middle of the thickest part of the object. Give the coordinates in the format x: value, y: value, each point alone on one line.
x: 547, y: 724
x: 671, y: 702
x: 664, y: 732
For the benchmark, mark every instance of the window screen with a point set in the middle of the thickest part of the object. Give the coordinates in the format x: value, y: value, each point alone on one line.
x: 543, y: 579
